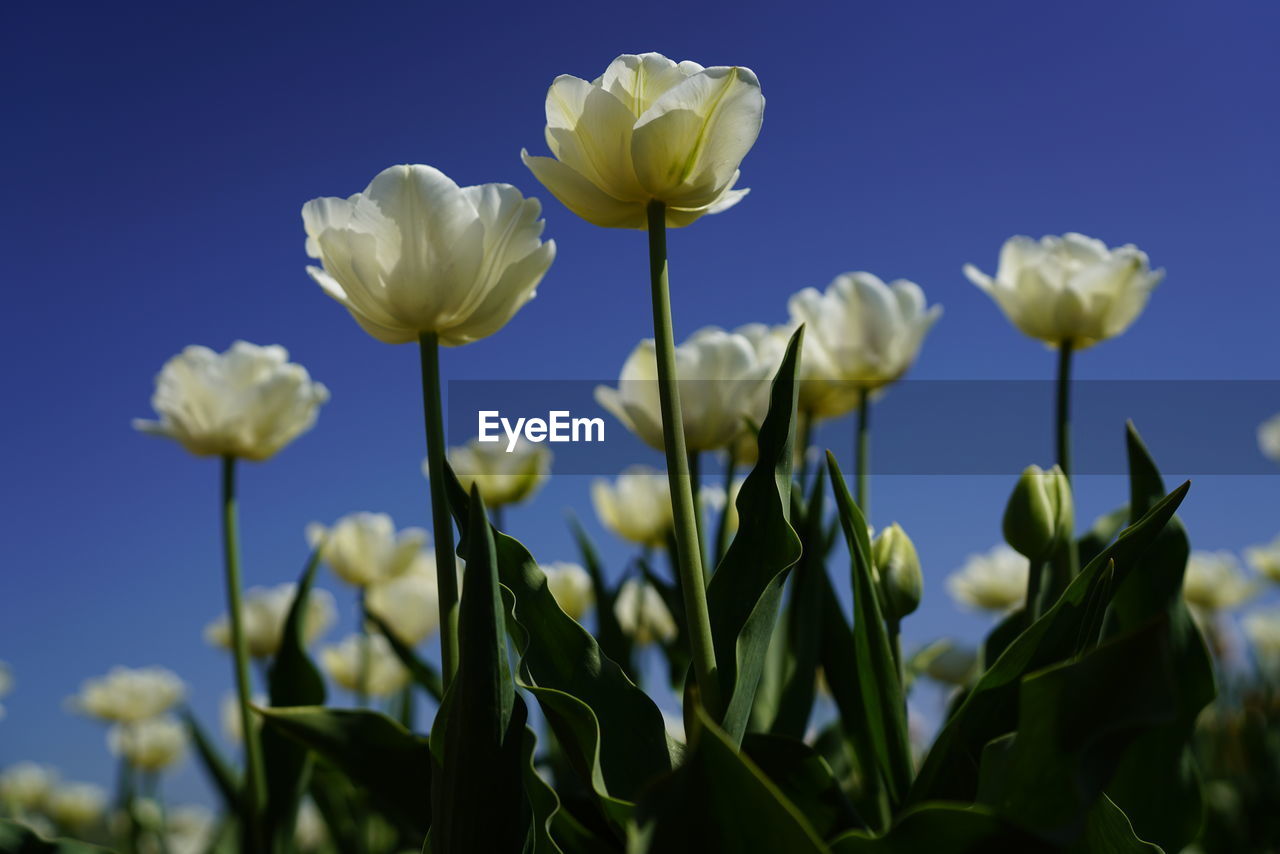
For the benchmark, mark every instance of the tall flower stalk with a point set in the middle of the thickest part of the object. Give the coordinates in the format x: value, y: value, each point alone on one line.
x: 863, y: 452
x: 1062, y: 443
x: 688, y: 552
x: 442, y: 526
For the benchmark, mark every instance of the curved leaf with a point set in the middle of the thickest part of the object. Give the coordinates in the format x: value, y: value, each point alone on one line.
x: 806, y: 779
x: 423, y: 673
x: 938, y: 827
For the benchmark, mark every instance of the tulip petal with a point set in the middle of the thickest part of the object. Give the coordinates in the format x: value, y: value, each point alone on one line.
x: 581, y: 196
x: 589, y: 130
x: 639, y: 80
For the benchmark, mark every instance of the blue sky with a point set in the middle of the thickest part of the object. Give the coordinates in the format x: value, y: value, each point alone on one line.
x: 157, y: 156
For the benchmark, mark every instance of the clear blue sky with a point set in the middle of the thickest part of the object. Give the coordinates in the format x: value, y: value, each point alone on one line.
x: 156, y: 157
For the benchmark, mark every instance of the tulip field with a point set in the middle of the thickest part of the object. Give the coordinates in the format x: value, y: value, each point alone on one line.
x: 743, y: 684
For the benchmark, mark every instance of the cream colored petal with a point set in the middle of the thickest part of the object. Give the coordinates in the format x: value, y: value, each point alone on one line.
x: 639, y: 80
x: 584, y: 198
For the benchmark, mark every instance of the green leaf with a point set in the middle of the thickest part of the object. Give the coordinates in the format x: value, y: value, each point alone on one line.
x: 17, y: 838
x: 884, y: 708
x: 423, y: 673
x: 990, y: 709
x: 614, y: 642
x: 340, y: 805
x: 806, y: 779
x: 478, y: 802
x: 746, y: 589
x: 718, y: 800
x: 623, y: 727
x: 292, y: 680
x: 373, y: 751
x: 1109, y: 831
x: 224, y: 779
x: 944, y: 827
x: 1158, y: 785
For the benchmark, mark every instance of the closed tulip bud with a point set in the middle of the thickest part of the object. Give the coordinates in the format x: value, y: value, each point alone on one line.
x: 1070, y: 289
x: 365, y: 664
x: 721, y: 377
x: 865, y: 334
x: 502, y: 476
x: 409, y: 604
x: 415, y: 253
x: 150, y: 745
x: 898, y: 566
x: 649, y: 129
x: 248, y: 402
x: 126, y: 695
x: 570, y: 586
x: 365, y: 548
x: 636, y: 505
x: 1039, y: 519
x: 263, y: 615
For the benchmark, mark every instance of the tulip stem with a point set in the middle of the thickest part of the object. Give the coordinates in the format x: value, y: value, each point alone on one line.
x: 864, y: 453
x: 689, y: 558
x: 1063, y: 423
x: 722, y: 530
x: 366, y: 653
x: 446, y: 572
x: 894, y: 627
x: 695, y: 484
x: 255, y: 792
x: 805, y: 435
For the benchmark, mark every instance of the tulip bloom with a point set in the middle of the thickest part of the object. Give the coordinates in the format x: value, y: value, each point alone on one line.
x: 126, y: 695
x: 1069, y: 290
x: 263, y: 614
x: 1262, y: 628
x: 409, y: 604
x: 1269, y: 438
x: 1215, y: 581
x: 1265, y: 559
x: 364, y: 548
x: 248, y: 402
x: 150, y: 745
x: 570, y: 585
x: 649, y: 129
x: 995, y: 581
x: 365, y: 664
x: 503, y: 477
x: 76, y: 806
x: 642, y: 615
x: 721, y: 380
x: 636, y: 505
x: 415, y: 253
x: 25, y: 785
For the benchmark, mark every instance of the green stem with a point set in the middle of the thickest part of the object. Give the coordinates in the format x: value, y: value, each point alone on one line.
x: 722, y: 530
x: 864, y: 453
x: 366, y: 653
x: 255, y: 793
x: 498, y: 518
x: 125, y: 783
x: 805, y: 435
x: 446, y: 569
x: 1063, y: 437
x: 682, y: 499
x: 695, y: 484
x: 894, y: 627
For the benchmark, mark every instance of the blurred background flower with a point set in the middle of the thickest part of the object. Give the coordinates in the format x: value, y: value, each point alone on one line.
x: 364, y: 548
x: 409, y: 603
x: 636, y: 505
x: 129, y: 695
x: 150, y: 745
x: 364, y: 664
x: 264, y: 612
x: 503, y: 476
x: 1215, y: 582
x: 571, y: 586
x: 642, y: 614
x: 993, y: 581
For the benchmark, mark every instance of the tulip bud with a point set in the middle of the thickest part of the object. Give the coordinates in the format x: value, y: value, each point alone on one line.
x: 898, y: 567
x: 1040, y: 516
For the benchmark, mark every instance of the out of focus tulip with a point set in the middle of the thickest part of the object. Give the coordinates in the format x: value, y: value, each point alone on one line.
x: 865, y: 334
x: 503, y: 477
x: 6, y: 684
x: 310, y: 830
x: 1069, y: 289
x: 642, y: 614
x: 1269, y: 438
x: 994, y: 581
x: 24, y: 786
x: 264, y: 612
x: 229, y: 713
x: 345, y: 663
x: 365, y: 548
x: 721, y: 377
x: 410, y: 603
x: 248, y: 402
x: 571, y: 587
x: 127, y: 695
x: 190, y: 829
x: 649, y: 129
x: 1215, y: 581
x: 416, y: 253
x: 1262, y: 628
x: 76, y: 806
x: 1039, y: 518
x: 149, y: 745
x: 636, y: 505
x: 1265, y: 559
x: 897, y: 566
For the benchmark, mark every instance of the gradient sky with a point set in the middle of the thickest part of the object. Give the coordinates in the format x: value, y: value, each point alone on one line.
x: 157, y: 156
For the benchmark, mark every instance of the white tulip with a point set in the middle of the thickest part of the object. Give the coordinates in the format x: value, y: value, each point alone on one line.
x: 721, y: 378
x: 1269, y: 438
x: 229, y: 716
x: 248, y: 402
x: 263, y: 614
x: 649, y: 129
x: 1265, y: 559
x: 571, y: 587
x: 191, y: 829
x: 76, y: 806
x: 127, y: 695
x: 993, y: 581
x: 310, y: 830
x: 503, y: 477
x: 642, y: 615
x: 346, y: 663
x: 636, y: 505
x: 410, y: 603
x: 364, y: 548
x: 1215, y: 581
x: 1069, y: 289
x: 149, y: 745
x: 1262, y: 628
x: 25, y: 785
x: 865, y: 334
x: 415, y: 253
